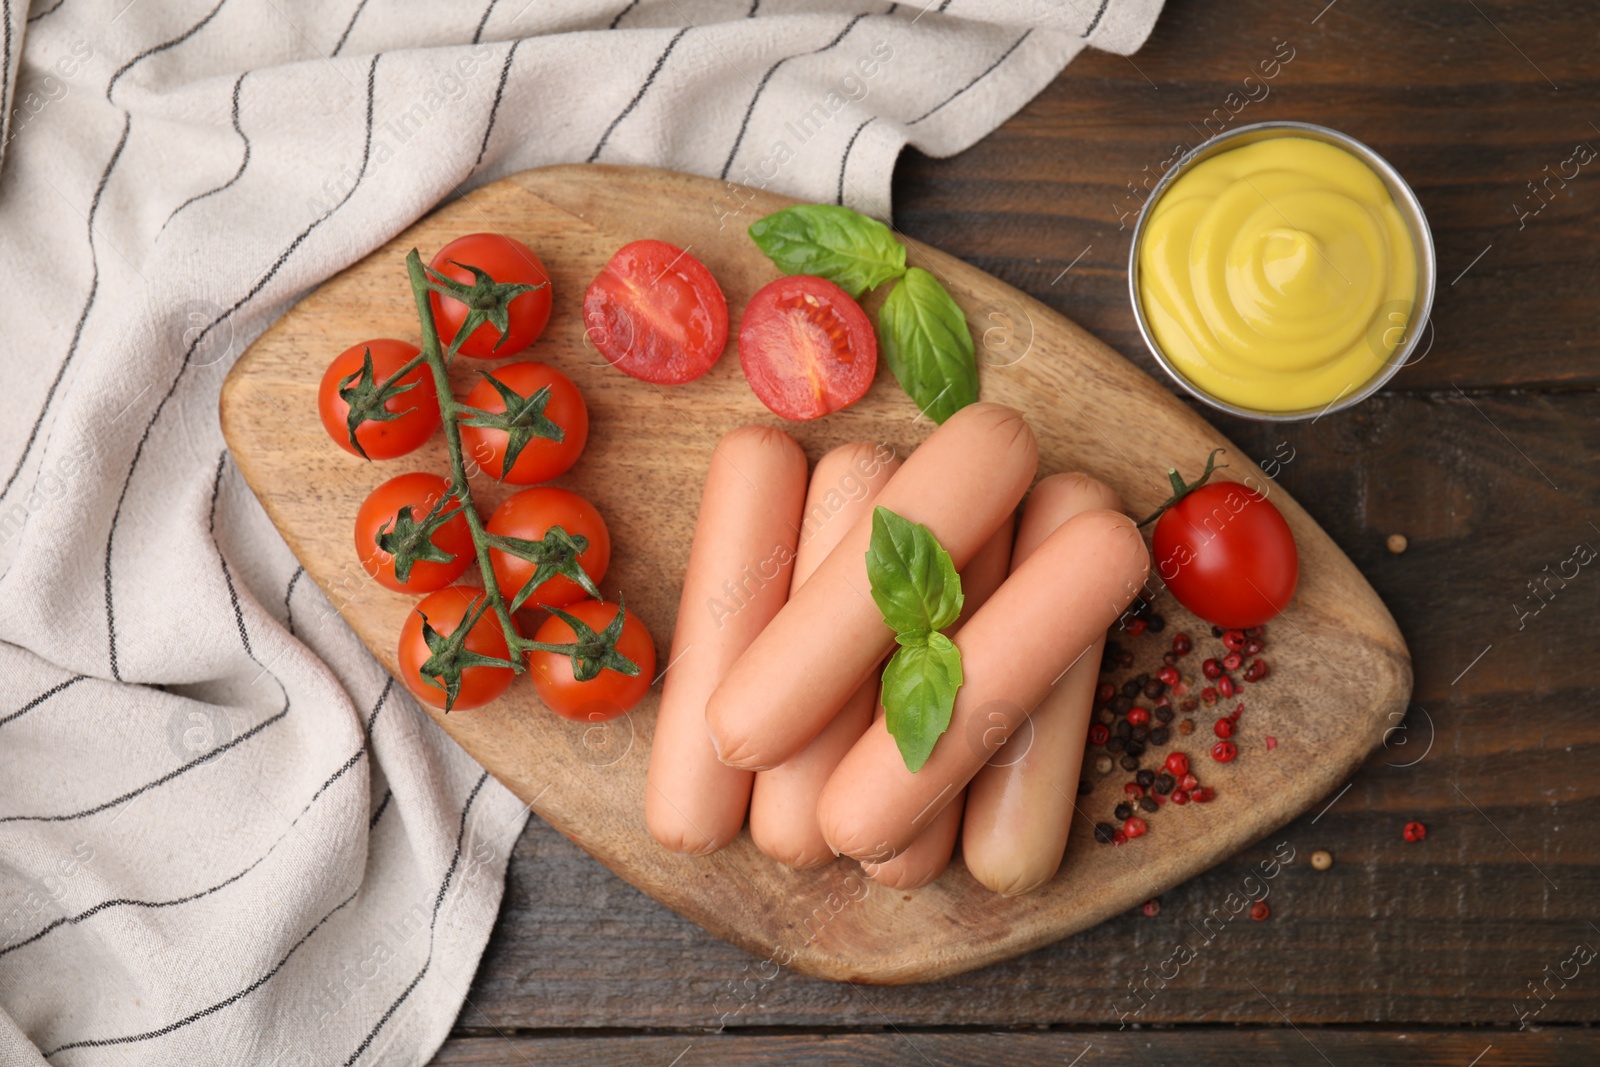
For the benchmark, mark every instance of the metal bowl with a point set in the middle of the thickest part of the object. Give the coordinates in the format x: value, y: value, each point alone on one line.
x: 1410, y: 210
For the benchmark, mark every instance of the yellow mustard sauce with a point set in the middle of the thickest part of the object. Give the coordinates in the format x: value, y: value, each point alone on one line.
x: 1278, y: 276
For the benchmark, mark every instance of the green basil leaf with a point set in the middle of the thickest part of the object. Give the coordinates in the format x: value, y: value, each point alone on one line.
x: 919, y: 694
x: 925, y: 340
x: 914, y: 581
x: 850, y: 250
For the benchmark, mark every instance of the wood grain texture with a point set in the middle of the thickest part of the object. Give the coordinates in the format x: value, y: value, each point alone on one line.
x: 1342, y: 673
x: 920, y: 1048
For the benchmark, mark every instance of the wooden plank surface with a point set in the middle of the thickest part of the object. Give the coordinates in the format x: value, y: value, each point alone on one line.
x: 1449, y: 931
x: 921, y: 1048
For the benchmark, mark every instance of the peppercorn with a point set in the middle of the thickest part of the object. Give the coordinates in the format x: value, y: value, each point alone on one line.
x: 1137, y: 627
x: 1103, y: 764
x: 1131, y: 687
x: 1321, y: 859
x: 1103, y: 832
x: 1116, y: 744
x: 1224, y: 728
x: 1154, y: 688
x: 1415, y: 831
x: 1123, y: 811
x: 1138, y: 715
x: 1259, y: 911
x: 1164, y: 783
x: 1169, y: 675
x: 1182, y: 644
x: 1189, y: 704
x: 1160, y: 735
x: 1253, y: 647
x: 1098, y: 734
x: 1180, y: 798
x: 1163, y: 713
x: 1204, y: 795
x: 1145, y: 778
x: 1211, y: 668
x: 1233, y: 640
x: 1169, y: 658
x: 1105, y: 693
x: 1121, y: 705
x: 1119, y: 838
x: 1085, y: 787
x: 1148, y: 804
x: 1226, y: 686
x: 1151, y: 908
x: 1157, y: 623
x: 1141, y: 731
x: 1232, y: 661
x: 1130, y: 762
x: 1135, y: 827
x: 1177, y: 764
x: 1105, y: 716
x: 1256, y: 671
x: 1257, y: 633
x: 1397, y: 543
x: 1124, y: 660
x: 1134, y: 747
x: 1186, y: 727
x: 1123, y: 729
x: 1216, y: 631
x: 1224, y: 751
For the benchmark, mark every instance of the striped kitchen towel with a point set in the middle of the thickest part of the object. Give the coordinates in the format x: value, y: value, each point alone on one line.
x: 226, y: 836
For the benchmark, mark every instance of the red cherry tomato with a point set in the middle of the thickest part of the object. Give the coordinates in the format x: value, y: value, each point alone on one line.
x: 541, y: 458
x: 806, y: 347
x: 1227, y: 555
x: 444, y: 610
x: 419, y: 406
x: 507, y: 261
x: 610, y: 693
x: 529, y: 515
x: 419, y: 491
x: 657, y: 314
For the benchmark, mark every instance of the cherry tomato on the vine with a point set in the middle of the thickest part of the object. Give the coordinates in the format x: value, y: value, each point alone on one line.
x: 656, y: 313
x: 528, y: 516
x: 610, y: 693
x: 416, y: 409
x: 509, y: 262
x: 806, y: 347
x: 542, y: 457
x: 419, y: 491
x: 445, y: 610
x: 1227, y: 554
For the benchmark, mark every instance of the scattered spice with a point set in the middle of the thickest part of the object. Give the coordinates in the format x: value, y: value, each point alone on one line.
x: 1415, y: 831
x: 1138, y: 716
x: 1103, y: 832
x: 1259, y: 911
x: 1186, y: 727
x: 1103, y: 764
x: 1135, y: 827
x: 1272, y: 743
x: 1177, y: 764
x: 1147, y: 804
x: 1256, y: 671
x: 1152, y: 908
x: 1099, y: 734
x: 1224, y: 728
x: 1397, y: 543
x: 1224, y: 751
x: 1321, y: 859
x: 1123, y: 810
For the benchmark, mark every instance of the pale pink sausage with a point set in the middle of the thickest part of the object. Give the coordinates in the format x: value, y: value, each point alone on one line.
x: 737, y: 579
x: 783, y: 805
x: 961, y: 483
x: 1052, y: 610
x: 1020, y: 805
x: 926, y: 858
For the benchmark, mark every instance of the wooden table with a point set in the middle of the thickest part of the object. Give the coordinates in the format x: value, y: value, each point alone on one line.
x: 1483, y: 455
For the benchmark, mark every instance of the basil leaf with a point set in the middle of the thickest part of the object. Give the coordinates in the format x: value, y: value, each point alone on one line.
x: 919, y: 694
x: 914, y: 581
x: 850, y: 250
x: 924, y: 338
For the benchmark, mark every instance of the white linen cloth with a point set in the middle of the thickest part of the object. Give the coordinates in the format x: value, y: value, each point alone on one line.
x: 225, y: 835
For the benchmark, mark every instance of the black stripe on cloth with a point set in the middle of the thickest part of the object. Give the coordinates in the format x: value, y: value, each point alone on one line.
x: 244, y: 160
x: 227, y: 573
x: 163, y: 780
x: 755, y: 5
x: 154, y: 50
x: 1098, y: 15
x: 383, y: 806
x: 477, y: 35
x: 42, y: 697
x: 49, y: 11
x: 345, y: 36
x: 845, y: 159
x: 438, y: 902
x: 494, y: 108
x: 214, y: 1008
x: 661, y: 61
x: 288, y: 595
x: 199, y: 339
x: 744, y: 123
x: 73, y: 920
x: 986, y: 71
x: 5, y: 69
x: 620, y: 14
x: 83, y: 316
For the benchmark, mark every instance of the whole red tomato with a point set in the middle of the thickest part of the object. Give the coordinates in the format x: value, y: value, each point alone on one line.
x: 444, y: 612
x: 419, y: 491
x: 528, y: 516
x: 542, y: 457
x: 1227, y: 554
x: 508, y: 262
x: 611, y: 692
x: 415, y: 411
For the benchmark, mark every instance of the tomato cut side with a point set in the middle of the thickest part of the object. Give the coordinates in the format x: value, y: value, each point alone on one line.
x: 806, y: 347
x: 656, y: 313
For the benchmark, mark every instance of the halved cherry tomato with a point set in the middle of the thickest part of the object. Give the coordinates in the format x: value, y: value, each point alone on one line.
x: 417, y: 408
x: 1227, y: 554
x: 419, y: 491
x: 508, y: 261
x: 657, y: 314
x: 528, y: 515
x: 542, y: 457
x: 444, y: 611
x: 610, y: 693
x: 806, y: 347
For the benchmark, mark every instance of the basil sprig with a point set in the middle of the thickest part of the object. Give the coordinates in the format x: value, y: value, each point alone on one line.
x: 921, y: 330
x: 916, y: 587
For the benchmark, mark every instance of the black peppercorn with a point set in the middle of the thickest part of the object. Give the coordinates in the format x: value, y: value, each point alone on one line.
x: 1134, y: 748
x: 1160, y: 735
x: 1104, y: 832
x: 1141, y: 732
x: 1085, y: 787
x: 1157, y: 623
x: 1148, y: 803
x: 1131, y: 687
x: 1105, y: 717
x: 1124, y: 811
x: 1154, y: 688
x: 1130, y: 762
x: 1164, y: 783
x: 1163, y: 713
x: 1123, y: 729
x: 1121, y: 705
x: 1146, y: 779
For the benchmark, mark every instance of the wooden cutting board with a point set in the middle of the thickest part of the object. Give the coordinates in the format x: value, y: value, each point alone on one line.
x: 1341, y: 673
